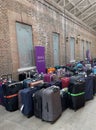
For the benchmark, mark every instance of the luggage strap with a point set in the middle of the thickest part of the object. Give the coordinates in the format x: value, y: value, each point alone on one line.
x: 11, y: 96
x: 77, y: 94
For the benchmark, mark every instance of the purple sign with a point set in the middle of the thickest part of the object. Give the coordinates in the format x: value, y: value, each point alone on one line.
x: 40, y: 58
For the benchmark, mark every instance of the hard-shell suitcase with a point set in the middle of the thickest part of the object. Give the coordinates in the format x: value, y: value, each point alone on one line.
x: 48, y: 77
x: 65, y: 82
x: 64, y: 99
x: 76, y: 95
x: 26, y: 101
x: 10, y: 91
x: 89, y: 88
x: 51, y: 104
x: 37, y: 98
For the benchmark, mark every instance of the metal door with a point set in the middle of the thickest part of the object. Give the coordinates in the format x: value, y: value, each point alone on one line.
x: 72, y: 49
x: 87, y: 46
x: 82, y: 50
x: 25, y: 46
x: 56, y: 48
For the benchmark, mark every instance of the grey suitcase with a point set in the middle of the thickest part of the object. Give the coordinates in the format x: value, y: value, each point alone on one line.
x: 51, y: 104
x: 37, y: 98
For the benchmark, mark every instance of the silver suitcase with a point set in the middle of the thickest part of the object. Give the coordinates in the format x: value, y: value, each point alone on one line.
x: 51, y: 104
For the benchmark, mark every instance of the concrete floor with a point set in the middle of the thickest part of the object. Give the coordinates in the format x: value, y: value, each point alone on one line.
x: 83, y: 119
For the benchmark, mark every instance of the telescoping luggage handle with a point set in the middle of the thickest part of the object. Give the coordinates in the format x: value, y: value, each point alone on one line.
x: 16, y: 83
x: 26, y: 69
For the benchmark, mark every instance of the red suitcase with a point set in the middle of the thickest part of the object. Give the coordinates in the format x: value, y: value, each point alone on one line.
x: 48, y: 77
x: 65, y: 82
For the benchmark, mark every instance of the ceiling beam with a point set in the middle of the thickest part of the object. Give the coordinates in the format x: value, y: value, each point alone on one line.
x: 88, y: 16
x: 76, y: 5
x: 88, y: 8
x: 91, y: 22
x: 93, y: 25
x: 65, y: 5
x: 58, y: 1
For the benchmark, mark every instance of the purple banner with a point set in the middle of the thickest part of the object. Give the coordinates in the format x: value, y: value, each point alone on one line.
x: 40, y: 58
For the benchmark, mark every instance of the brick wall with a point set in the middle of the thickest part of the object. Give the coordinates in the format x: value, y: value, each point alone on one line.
x: 5, y: 53
x: 45, y: 20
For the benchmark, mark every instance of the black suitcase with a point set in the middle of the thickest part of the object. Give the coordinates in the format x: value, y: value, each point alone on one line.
x: 56, y: 83
x: 10, y: 91
x: 38, y: 103
x: 64, y: 99
x: 89, y: 88
x: 22, y: 76
x: 26, y: 101
x: 76, y: 95
x: 77, y: 78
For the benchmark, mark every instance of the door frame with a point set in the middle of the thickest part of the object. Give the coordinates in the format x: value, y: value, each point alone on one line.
x: 58, y: 46
x: 70, y: 48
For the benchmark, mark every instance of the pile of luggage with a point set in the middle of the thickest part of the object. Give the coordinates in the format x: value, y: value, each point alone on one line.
x: 47, y: 95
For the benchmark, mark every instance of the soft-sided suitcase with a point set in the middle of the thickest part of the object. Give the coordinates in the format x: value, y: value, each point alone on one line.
x: 56, y: 83
x: 3, y: 80
x: 64, y: 99
x: 26, y: 82
x: 76, y: 95
x: 65, y: 82
x: 60, y: 73
x: 10, y: 91
x: 77, y: 78
x: 51, y: 104
x: 94, y: 70
x: 48, y: 77
x: 51, y: 70
x: 89, y: 88
x: 37, y: 98
x: 26, y: 101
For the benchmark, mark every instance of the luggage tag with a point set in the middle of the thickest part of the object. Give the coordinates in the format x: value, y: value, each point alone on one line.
x: 22, y: 107
x: 33, y: 95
